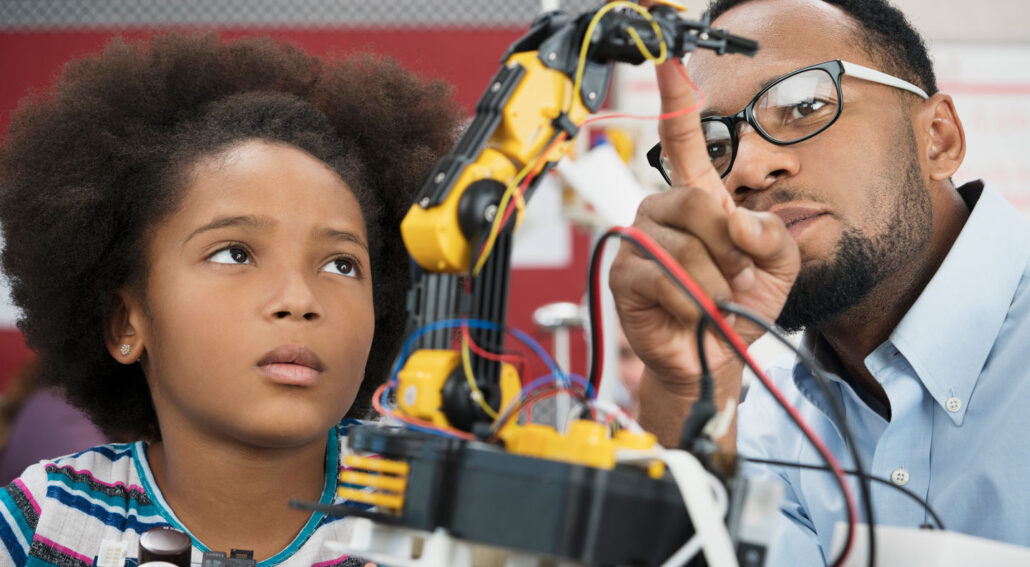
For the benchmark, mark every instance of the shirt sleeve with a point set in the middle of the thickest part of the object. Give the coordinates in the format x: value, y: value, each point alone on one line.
x: 19, y: 514
x: 764, y: 432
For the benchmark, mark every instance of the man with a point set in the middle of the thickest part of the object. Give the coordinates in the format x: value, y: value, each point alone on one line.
x: 840, y: 217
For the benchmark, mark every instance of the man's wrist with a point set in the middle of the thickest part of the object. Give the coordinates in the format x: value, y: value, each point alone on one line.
x: 665, y: 402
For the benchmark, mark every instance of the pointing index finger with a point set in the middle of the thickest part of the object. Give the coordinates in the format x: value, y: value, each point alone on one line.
x: 681, y: 135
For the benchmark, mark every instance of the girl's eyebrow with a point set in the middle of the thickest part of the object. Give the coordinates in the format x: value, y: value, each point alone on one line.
x: 341, y: 235
x: 246, y: 221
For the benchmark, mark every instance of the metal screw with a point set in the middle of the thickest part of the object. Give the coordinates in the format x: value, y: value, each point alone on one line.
x: 439, y: 177
x: 424, y: 203
x: 704, y: 36
x: 490, y: 213
x: 495, y: 87
x: 591, y: 96
x: 552, y: 56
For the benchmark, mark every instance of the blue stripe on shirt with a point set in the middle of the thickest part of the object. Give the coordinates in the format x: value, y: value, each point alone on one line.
x: 121, y: 520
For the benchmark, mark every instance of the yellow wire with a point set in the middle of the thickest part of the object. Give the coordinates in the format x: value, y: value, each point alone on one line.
x: 662, y: 51
x: 495, y: 228
x: 477, y: 394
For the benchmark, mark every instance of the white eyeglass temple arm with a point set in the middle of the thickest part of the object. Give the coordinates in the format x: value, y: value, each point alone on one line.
x: 860, y: 72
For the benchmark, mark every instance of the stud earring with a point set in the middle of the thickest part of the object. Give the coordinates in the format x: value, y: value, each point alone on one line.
x: 126, y: 349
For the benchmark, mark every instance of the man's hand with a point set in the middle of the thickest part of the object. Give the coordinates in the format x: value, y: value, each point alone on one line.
x: 733, y: 253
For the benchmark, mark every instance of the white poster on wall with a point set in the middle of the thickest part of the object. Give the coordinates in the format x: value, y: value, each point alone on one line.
x: 991, y: 88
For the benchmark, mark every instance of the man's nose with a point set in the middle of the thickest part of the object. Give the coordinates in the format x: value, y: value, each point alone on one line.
x: 759, y: 164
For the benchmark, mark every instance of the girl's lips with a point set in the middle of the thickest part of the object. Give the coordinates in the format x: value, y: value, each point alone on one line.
x: 294, y: 365
x: 290, y: 374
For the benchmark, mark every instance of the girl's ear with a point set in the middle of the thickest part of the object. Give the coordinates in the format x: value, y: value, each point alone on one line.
x: 124, y: 335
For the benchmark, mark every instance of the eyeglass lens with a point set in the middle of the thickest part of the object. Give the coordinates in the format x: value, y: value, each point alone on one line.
x: 790, y: 110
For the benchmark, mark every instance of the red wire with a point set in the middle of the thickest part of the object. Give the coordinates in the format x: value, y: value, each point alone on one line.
x: 709, y: 307
x: 514, y: 359
x: 523, y: 186
x: 663, y: 116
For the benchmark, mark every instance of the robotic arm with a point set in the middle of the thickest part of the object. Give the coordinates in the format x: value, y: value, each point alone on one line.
x: 550, y: 81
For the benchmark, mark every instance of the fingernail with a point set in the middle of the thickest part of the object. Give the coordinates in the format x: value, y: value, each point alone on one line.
x: 744, y: 280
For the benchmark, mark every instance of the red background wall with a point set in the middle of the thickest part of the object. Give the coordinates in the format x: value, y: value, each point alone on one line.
x: 467, y: 58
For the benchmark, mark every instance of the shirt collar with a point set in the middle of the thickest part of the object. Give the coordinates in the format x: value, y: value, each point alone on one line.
x: 950, y: 329
x: 948, y: 332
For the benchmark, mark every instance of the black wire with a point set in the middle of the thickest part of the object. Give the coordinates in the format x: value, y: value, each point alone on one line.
x: 841, y: 483
x: 835, y: 407
x: 860, y: 474
x: 596, y: 348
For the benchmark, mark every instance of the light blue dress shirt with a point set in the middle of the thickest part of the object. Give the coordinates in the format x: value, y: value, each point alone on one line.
x: 956, y: 370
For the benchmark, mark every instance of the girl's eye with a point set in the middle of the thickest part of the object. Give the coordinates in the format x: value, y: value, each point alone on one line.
x: 343, y: 266
x: 231, y: 255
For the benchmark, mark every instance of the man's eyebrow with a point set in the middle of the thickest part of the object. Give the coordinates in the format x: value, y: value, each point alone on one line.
x: 759, y: 88
x: 245, y: 221
x: 342, y: 235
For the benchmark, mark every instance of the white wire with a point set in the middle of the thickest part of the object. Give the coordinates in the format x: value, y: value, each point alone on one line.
x: 684, y: 554
x: 612, y: 408
x: 706, y: 508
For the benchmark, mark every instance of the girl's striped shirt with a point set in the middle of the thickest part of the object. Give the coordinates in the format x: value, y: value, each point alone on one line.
x: 59, y: 512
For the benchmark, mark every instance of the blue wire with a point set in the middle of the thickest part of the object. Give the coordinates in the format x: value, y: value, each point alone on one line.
x: 476, y: 324
x: 576, y: 378
x: 440, y: 432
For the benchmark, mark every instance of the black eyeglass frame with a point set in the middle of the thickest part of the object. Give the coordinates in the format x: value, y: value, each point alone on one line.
x: 835, y: 68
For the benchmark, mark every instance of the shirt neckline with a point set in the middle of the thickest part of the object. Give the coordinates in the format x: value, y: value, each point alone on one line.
x: 332, y: 467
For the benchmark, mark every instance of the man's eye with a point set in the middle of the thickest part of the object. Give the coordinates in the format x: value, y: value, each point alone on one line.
x: 718, y: 150
x: 343, y: 266
x: 806, y: 108
x: 231, y: 255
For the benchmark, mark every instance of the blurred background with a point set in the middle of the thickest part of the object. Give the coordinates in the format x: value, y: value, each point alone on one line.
x: 982, y: 54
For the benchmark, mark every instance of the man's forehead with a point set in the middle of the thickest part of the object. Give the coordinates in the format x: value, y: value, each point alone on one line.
x: 791, y: 34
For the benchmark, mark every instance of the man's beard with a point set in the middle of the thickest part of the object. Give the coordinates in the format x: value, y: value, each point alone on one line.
x: 826, y: 289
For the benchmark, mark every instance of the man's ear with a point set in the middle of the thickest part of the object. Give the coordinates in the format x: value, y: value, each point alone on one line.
x: 945, y: 137
x: 125, y: 336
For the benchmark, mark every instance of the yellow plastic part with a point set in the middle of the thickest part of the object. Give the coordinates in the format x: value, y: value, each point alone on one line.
x: 380, y: 481
x: 433, y: 236
x: 586, y: 443
x: 385, y: 466
x: 525, y: 129
x: 532, y: 440
x: 626, y: 439
x: 421, y: 380
x: 384, y: 489
x: 387, y: 501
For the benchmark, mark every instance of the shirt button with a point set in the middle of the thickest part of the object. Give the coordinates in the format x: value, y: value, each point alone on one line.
x: 899, y: 477
x: 953, y: 404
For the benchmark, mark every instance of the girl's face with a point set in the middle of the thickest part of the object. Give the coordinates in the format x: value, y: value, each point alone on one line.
x: 258, y: 314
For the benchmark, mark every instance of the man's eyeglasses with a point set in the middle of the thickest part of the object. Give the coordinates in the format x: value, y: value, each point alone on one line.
x: 791, y: 109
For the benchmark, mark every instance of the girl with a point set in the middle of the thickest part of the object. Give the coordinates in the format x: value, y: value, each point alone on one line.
x: 193, y: 230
